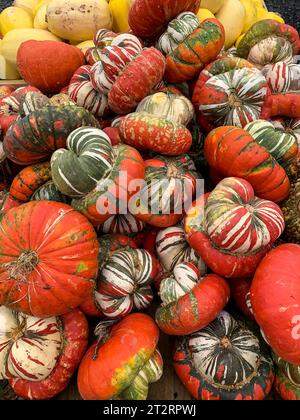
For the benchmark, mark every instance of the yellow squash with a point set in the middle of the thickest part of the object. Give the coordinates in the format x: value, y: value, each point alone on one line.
x: 27, y: 5
x: 14, y: 18
x: 13, y: 39
x: 8, y: 70
x: 232, y: 15
x: 204, y: 14
x: 119, y: 10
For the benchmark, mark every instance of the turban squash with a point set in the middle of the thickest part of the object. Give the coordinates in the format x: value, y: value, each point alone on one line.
x: 196, y: 51
x: 224, y: 361
x: 189, y: 302
x: 36, y: 136
x: 148, y: 18
x: 287, y: 379
x: 123, y: 363
x: 41, y: 354
x: 232, y: 151
x: 231, y: 229
x: 230, y: 91
x: 108, y: 244
x: 169, y: 185
x: 48, y: 258
x: 275, y: 300
x: 269, y: 41
x: 147, y: 132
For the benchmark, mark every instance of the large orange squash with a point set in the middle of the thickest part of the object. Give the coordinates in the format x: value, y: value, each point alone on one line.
x: 48, y: 65
x: 148, y: 18
x: 275, y: 300
x: 126, y: 351
x: 232, y: 151
x: 48, y: 258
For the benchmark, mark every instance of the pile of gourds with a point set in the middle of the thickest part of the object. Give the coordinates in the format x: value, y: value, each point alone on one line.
x: 95, y: 152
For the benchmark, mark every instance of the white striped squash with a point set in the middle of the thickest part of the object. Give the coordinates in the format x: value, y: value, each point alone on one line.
x: 82, y: 92
x: 114, y: 59
x: 176, y: 108
x: 237, y: 221
x: 125, y: 224
x: 288, y: 125
x: 172, y: 248
x: 184, y: 278
x: 271, y: 50
x: 282, y: 146
x: 178, y: 29
x: 87, y: 159
x: 235, y: 97
x: 29, y: 346
x: 283, y: 77
x: 124, y: 283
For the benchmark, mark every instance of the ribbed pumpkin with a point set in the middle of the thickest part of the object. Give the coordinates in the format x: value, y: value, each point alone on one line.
x: 48, y: 258
x: 232, y: 151
x: 177, y: 30
x: 136, y: 80
x: 108, y: 245
x: 190, y: 302
x: 275, y: 297
x: 35, y: 137
x: 124, y: 224
x: 148, y: 19
x: 82, y: 92
x: 288, y: 125
x: 87, y: 159
x: 196, y: 51
x: 168, y: 105
x: 113, y: 192
x: 231, y: 229
x: 170, y: 184
x: 48, y: 191
x: 114, y: 58
x: 269, y: 41
x: 37, y: 64
x: 172, y: 248
x: 291, y: 213
x: 282, y: 146
x: 224, y: 361
x: 284, y: 81
x: 125, y: 281
x: 9, y: 106
x: 235, y: 97
x: 150, y: 133
x: 29, y: 180
x: 102, y: 38
x: 34, y: 101
x: 123, y: 363
x: 38, y: 355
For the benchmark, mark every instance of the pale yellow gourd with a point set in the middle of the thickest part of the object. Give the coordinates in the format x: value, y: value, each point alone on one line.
x: 78, y: 20
x: 204, y: 14
x: 13, y: 39
x: 213, y: 5
x: 8, y: 70
x: 250, y: 14
x: 232, y: 16
x: 27, y: 5
x: 85, y: 45
x: 39, y: 21
x: 14, y: 18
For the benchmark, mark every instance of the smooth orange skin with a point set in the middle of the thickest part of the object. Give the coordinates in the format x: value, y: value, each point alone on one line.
x: 95, y: 377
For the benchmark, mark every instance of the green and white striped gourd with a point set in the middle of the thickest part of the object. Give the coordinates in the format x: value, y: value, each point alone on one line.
x: 292, y: 372
x: 87, y: 159
x: 176, y: 108
x: 184, y: 278
x: 124, y: 282
x: 178, y: 29
x: 50, y: 192
x: 282, y: 146
x: 150, y: 373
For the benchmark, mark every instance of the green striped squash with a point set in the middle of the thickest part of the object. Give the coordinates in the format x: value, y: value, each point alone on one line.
x: 281, y: 145
x: 49, y: 191
x: 87, y: 159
